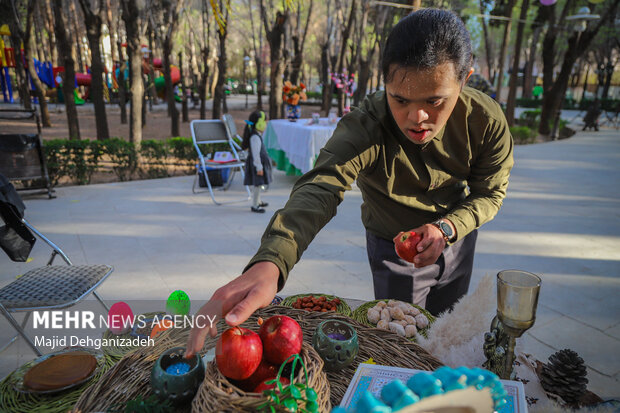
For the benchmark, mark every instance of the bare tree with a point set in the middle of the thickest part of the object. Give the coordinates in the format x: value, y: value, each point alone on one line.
x: 275, y: 38
x: 367, y: 45
x: 25, y: 37
x: 578, y: 42
x: 17, y: 35
x: 166, y: 25
x: 299, y: 42
x: 528, y: 70
x: 260, y: 85
x: 131, y: 16
x: 205, y: 45
x: 219, y: 97
x: 118, y: 44
x: 487, y: 42
x: 64, y: 51
x: 346, y: 33
x: 49, y: 25
x: 502, y: 54
x: 512, y: 91
x: 93, y: 22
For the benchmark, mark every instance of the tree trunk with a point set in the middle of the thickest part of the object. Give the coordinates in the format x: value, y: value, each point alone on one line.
x: 275, y: 37
x: 502, y: 55
x: 512, y: 91
x: 528, y: 77
x: 607, y: 84
x: 130, y: 14
x: 204, y: 53
x: 218, y: 97
x: 93, y: 32
x: 22, y: 79
x: 38, y: 85
x: 172, y: 107
x: 151, y: 86
x: 64, y: 51
x: 77, y: 37
x: 487, y: 45
x: 578, y: 43
x: 49, y: 24
x: 299, y: 42
x: 185, y: 110
x: 343, y: 50
x: 260, y: 84
x: 326, y: 94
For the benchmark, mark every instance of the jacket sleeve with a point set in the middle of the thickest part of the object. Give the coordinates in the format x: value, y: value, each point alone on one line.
x: 487, y: 181
x: 316, y: 196
x: 255, y: 145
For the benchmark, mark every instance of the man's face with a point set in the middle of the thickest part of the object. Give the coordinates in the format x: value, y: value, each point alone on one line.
x: 421, y: 101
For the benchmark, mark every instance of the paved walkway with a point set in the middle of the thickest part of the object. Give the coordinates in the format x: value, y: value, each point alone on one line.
x: 560, y: 220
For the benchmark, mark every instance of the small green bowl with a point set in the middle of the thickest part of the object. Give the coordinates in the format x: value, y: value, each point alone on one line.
x: 179, y: 389
x: 337, y: 344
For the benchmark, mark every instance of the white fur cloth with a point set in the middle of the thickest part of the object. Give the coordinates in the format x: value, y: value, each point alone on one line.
x: 456, y: 339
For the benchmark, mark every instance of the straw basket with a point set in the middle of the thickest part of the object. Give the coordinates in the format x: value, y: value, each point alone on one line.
x: 342, y: 308
x: 361, y: 314
x: 130, y: 377
x: 217, y: 394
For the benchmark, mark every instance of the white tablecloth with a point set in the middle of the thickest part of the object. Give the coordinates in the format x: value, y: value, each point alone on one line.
x: 300, y: 142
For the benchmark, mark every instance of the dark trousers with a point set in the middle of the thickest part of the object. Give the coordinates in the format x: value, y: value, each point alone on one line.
x: 435, y: 287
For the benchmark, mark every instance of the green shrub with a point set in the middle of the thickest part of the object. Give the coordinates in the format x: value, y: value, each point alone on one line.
x: 154, y: 155
x: 530, y: 118
x: 82, y: 159
x: 523, y: 135
x: 123, y: 155
x: 55, y: 159
x: 182, y: 148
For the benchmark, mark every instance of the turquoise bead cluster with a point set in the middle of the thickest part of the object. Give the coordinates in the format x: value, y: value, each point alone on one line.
x: 396, y: 395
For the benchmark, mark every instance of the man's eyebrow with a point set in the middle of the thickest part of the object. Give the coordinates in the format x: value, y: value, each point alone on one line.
x: 397, y: 96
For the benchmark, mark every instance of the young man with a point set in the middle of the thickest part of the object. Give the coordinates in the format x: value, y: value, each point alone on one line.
x: 428, y: 155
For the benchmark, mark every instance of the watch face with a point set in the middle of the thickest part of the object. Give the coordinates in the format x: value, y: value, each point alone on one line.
x: 445, y: 227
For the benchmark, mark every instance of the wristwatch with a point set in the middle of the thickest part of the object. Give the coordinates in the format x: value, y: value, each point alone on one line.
x: 445, y: 229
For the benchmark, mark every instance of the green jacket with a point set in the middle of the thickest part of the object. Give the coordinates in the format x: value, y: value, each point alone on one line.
x: 461, y: 175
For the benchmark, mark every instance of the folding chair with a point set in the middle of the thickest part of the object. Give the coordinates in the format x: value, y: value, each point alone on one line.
x: 44, y: 288
x: 208, y: 132
x: 232, y: 132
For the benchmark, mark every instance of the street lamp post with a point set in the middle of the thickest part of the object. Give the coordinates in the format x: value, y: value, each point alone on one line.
x: 246, y: 60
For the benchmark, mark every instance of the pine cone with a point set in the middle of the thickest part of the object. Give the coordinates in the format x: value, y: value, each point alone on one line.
x: 565, y: 376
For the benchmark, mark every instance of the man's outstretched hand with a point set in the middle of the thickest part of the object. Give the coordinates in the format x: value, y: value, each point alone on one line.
x: 236, y: 301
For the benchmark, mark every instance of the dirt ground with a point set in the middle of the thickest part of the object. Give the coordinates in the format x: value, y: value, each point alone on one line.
x: 157, y: 122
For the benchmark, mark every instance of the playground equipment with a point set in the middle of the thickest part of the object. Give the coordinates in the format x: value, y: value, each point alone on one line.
x: 7, y: 60
x: 160, y: 82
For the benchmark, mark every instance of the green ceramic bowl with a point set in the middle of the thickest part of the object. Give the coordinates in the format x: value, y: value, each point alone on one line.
x: 337, y: 344
x: 179, y: 389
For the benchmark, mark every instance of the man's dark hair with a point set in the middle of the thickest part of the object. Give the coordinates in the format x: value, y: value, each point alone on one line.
x: 426, y: 39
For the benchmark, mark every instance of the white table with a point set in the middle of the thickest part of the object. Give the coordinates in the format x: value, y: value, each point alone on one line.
x: 299, y: 141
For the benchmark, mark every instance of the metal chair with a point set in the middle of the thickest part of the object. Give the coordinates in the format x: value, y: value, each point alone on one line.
x: 232, y: 132
x: 208, y: 132
x: 44, y: 288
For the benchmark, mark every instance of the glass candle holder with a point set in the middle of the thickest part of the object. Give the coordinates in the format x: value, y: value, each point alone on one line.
x: 176, y: 378
x: 337, y: 344
x: 517, y: 299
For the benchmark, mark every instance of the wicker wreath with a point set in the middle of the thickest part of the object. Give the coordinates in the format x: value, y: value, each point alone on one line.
x: 361, y: 314
x: 129, y: 378
x: 342, y: 308
x: 217, y: 394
